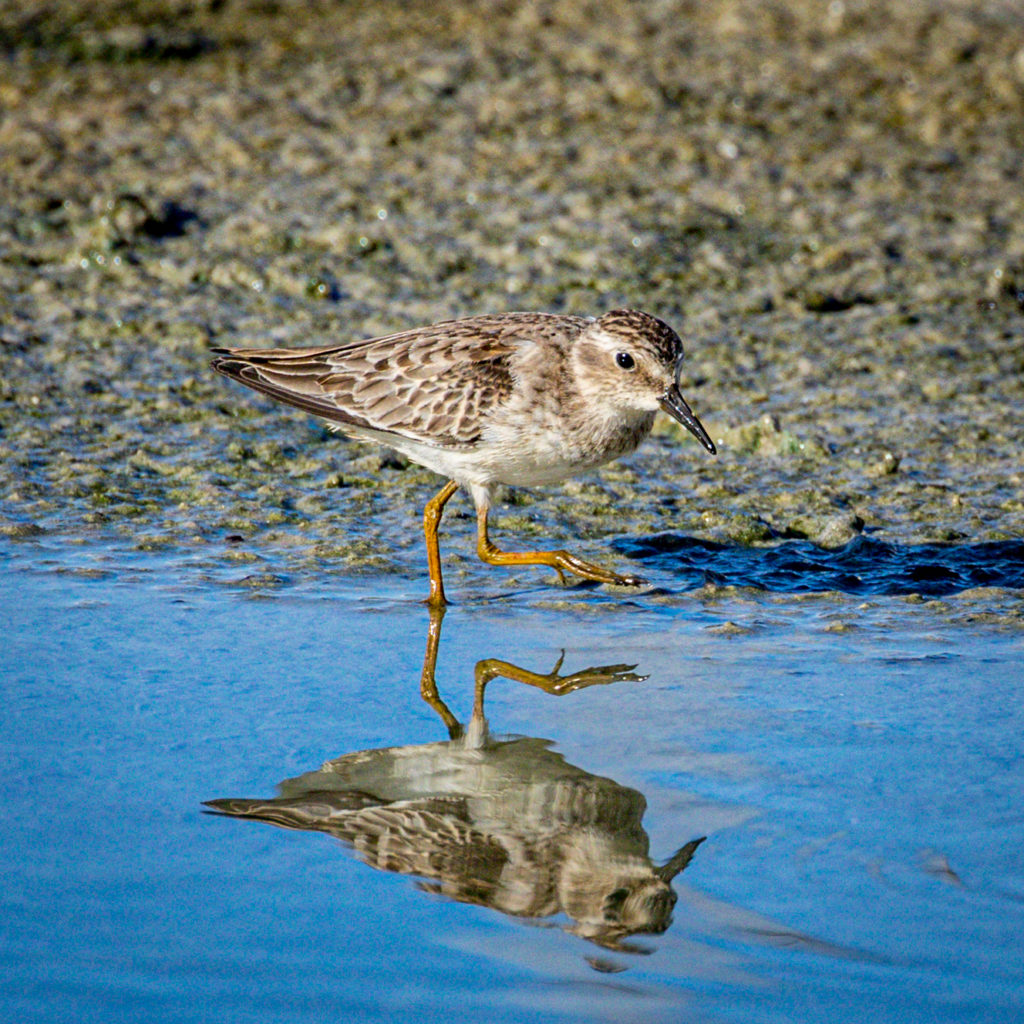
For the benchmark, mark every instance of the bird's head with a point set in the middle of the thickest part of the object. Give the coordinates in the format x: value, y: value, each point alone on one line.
x: 631, y: 361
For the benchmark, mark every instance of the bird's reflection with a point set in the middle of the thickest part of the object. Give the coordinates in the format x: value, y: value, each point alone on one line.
x: 507, y: 824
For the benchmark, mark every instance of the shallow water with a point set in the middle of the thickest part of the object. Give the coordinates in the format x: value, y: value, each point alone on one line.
x: 859, y: 792
x: 863, y: 566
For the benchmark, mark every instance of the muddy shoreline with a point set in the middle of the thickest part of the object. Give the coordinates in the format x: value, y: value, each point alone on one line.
x: 827, y: 207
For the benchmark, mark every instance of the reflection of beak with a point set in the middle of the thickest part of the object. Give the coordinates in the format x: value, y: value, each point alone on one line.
x: 678, y: 860
x: 675, y: 405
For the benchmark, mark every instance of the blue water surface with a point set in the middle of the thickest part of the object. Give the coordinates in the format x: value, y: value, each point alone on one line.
x: 860, y: 791
x: 864, y: 566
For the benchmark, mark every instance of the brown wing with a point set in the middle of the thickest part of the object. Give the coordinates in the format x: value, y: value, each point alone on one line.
x: 433, y: 384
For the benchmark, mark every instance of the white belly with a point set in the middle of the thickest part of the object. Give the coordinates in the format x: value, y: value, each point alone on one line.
x: 518, y: 459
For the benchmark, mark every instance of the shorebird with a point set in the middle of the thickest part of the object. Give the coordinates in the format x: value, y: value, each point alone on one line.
x: 518, y: 399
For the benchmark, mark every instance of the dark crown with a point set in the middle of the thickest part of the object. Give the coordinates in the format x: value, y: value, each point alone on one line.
x: 634, y: 323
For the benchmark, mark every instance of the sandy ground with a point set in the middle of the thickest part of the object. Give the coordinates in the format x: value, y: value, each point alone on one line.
x: 826, y: 200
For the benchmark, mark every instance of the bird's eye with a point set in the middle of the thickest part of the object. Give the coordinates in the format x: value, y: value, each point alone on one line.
x: 625, y: 360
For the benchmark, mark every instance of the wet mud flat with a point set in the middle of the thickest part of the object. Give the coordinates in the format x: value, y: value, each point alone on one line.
x: 824, y: 203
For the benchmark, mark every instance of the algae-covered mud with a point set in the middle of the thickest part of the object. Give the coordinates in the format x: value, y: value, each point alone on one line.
x: 814, y: 708
x: 824, y: 200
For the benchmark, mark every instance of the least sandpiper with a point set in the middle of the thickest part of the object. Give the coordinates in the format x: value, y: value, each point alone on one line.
x: 515, y: 398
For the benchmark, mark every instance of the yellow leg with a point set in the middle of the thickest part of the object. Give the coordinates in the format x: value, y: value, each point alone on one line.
x: 561, y: 561
x: 431, y: 519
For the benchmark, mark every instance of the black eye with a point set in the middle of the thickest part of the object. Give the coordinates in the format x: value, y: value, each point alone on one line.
x: 625, y: 360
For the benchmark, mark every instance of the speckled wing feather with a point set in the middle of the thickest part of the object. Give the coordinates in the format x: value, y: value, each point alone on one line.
x: 433, y: 384
x: 433, y: 837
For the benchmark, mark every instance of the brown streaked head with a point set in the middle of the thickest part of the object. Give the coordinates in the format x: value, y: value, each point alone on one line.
x: 633, y: 359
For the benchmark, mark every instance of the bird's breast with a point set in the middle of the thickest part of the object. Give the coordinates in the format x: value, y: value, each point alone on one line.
x: 550, y: 449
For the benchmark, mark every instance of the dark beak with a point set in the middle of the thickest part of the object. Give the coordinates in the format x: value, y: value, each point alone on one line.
x: 675, y: 405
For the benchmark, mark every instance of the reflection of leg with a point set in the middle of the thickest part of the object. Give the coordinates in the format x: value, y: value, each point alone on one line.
x: 552, y: 682
x: 561, y: 561
x: 431, y: 519
x: 428, y: 684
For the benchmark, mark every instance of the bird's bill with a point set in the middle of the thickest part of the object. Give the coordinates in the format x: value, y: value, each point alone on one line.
x: 675, y: 405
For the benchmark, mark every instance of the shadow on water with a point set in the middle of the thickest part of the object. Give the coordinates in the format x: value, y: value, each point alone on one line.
x: 863, y: 566
x: 505, y: 823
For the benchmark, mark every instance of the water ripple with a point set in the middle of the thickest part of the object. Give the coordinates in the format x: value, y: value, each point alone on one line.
x: 864, y: 566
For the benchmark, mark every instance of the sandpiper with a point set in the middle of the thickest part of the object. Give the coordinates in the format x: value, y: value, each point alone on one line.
x: 519, y: 399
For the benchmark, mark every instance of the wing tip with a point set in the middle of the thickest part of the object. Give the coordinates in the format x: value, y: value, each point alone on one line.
x: 223, y: 363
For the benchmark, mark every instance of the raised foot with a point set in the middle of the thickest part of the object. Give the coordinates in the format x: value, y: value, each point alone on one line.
x: 562, y: 562
x: 589, y: 571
